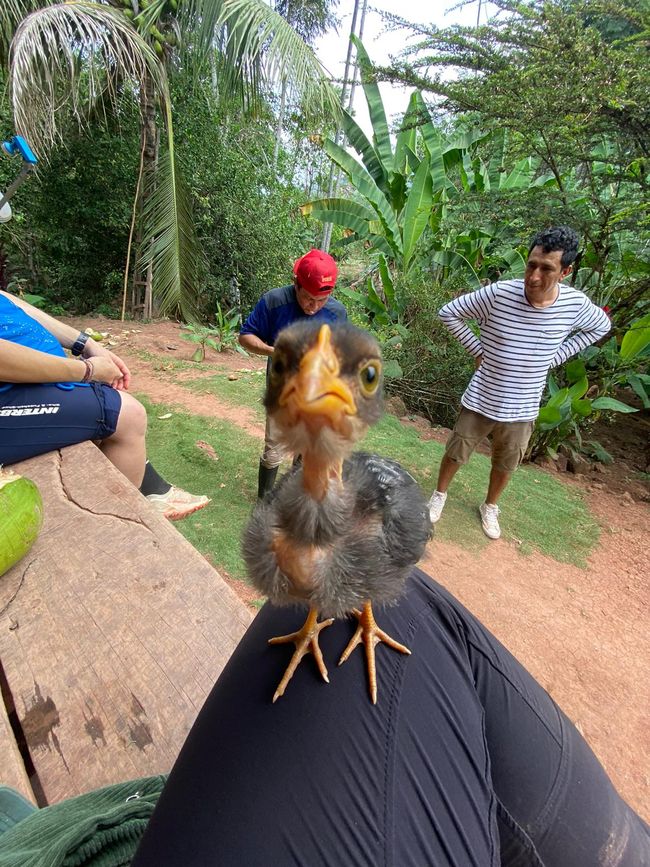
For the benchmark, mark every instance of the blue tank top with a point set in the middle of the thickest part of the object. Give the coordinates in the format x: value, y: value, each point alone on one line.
x: 17, y: 327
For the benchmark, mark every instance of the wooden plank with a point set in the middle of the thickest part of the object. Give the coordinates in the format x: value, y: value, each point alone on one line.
x: 113, y: 629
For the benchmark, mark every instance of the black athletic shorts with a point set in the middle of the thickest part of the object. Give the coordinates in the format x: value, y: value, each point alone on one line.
x: 35, y: 419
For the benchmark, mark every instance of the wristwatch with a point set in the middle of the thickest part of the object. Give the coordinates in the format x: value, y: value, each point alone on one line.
x: 78, y: 346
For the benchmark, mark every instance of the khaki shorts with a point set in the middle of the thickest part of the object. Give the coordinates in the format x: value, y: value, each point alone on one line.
x: 509, y: 439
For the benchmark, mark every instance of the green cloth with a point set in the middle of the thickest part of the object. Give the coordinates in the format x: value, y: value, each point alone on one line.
x: 98, y: 829
x: 13, y: 808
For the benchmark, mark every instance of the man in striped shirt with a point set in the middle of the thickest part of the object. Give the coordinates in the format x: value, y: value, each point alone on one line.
x: 526, y: 327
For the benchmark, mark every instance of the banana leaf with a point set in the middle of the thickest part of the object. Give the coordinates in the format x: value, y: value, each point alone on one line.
x: 342, y: 212
x: 407, y: 137
x: 376, y: 110
x: 433, y: 143
x: 416, y: 214
x: 363, y: 147
x: 386, y: 280
x: 366, y: 186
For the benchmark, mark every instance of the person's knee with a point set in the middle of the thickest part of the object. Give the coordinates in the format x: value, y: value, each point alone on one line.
x: 459, y: 449
x: 132, y: 420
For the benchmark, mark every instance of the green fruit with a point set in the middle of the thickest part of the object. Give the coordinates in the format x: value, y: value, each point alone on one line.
x: 158, y: 48
x: 21, y: 517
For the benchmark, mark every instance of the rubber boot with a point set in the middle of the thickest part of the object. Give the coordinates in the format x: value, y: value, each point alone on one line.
x: 265, y: 480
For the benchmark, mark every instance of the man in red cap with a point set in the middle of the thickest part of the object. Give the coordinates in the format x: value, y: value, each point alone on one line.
x: 310, y: 295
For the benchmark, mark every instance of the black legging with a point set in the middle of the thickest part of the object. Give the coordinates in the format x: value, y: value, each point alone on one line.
x: 465, y: 760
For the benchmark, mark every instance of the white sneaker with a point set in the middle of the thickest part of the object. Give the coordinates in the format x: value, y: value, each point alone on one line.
x: 490, y: 520
x: 176, y: 503
x: 436, y: 505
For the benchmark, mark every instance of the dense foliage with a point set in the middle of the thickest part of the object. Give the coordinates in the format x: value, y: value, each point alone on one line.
x: 539, y: 117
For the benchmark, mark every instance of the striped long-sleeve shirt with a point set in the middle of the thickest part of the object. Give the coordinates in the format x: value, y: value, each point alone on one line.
x: 519, y: 343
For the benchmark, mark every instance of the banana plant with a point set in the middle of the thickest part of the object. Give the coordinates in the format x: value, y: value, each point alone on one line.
x: 400, y: 191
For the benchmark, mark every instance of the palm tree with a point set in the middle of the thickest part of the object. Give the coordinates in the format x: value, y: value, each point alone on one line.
x: 76, y: 58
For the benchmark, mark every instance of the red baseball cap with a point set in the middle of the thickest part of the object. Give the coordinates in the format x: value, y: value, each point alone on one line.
x: 316, y: 272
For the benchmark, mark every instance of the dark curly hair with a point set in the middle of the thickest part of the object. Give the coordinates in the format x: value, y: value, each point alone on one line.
x: 558, y: 238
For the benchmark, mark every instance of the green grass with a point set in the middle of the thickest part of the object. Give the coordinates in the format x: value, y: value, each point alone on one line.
x: 230, y: 481
x: 246, y: 391
x: 538, y: 511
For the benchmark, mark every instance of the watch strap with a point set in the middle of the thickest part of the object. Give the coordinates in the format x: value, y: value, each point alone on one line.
x: 78, y: 346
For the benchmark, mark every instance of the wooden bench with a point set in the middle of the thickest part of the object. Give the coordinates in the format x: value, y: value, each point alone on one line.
x: 113, y: 630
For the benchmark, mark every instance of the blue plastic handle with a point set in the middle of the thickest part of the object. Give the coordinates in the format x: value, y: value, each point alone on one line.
x: 18, y: 145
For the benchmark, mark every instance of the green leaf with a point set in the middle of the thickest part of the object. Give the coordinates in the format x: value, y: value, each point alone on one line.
x: 386, y: 280
x: 376, y: 110
x: 365, y: 184
x: 581, y: 407
x: 433, y: 141
x: 392, y: 369
x: 416, y: 214
x: 559, y: 398
x: 639, y: 389
x: 578, y: 389
x: 549, y: 415
x: 599, y: 452
x: 575, y: 370
x: 611, y: 404
x: 636, y: 339
x: 364, y: 148
x: 174, y: 252
x: 406, y: 142
x: 553, y: 387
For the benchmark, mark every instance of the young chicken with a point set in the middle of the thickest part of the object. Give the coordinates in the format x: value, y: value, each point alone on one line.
x: 340, y: 531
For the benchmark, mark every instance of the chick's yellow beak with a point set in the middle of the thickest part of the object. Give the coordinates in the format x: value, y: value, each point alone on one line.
x: 316, y: 394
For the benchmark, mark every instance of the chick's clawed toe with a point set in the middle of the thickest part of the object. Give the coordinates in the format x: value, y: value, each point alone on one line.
x: 368, y: 633
x: 306, y: 641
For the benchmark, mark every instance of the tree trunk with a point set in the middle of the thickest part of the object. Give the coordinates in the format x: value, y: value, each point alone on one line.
x: 142, y: 290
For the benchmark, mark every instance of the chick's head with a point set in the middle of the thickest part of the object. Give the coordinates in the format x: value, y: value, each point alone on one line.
x: 324, y: 388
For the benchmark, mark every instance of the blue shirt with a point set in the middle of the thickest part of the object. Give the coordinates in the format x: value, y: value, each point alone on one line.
x: 18, y: 327
x: 278, y: 308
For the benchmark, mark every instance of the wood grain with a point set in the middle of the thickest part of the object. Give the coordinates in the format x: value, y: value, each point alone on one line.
x: 113, y: 629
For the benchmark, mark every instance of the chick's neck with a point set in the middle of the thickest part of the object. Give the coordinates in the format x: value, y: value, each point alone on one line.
x: 319, y: 475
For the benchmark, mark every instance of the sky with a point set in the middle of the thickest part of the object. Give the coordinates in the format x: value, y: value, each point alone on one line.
x: 379, y: 44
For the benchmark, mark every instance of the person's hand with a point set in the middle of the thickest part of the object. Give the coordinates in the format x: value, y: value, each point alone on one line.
x: 478, y: 361
x: 93, y: 349
x: 107, y: 371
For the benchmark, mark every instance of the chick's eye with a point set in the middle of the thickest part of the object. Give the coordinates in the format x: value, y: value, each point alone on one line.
x: 277, y: 366
x: 369, y: 377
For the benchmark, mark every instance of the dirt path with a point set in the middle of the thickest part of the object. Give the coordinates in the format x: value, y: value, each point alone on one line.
x: 585, y: 634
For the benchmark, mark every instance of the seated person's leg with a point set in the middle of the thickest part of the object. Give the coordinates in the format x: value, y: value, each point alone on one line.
x: 324, y: 778
x: 35, y: 419
x: 554, y: 800
x: 126, y: 448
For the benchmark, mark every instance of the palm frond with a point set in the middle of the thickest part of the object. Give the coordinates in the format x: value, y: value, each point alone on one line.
x: 264, y: 48
x: 172, y: 248
x: 64, y: 59
x: 12, y: 13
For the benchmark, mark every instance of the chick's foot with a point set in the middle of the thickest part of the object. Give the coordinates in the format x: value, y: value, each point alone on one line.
x: 371, y: 635
x: 306, y: 641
